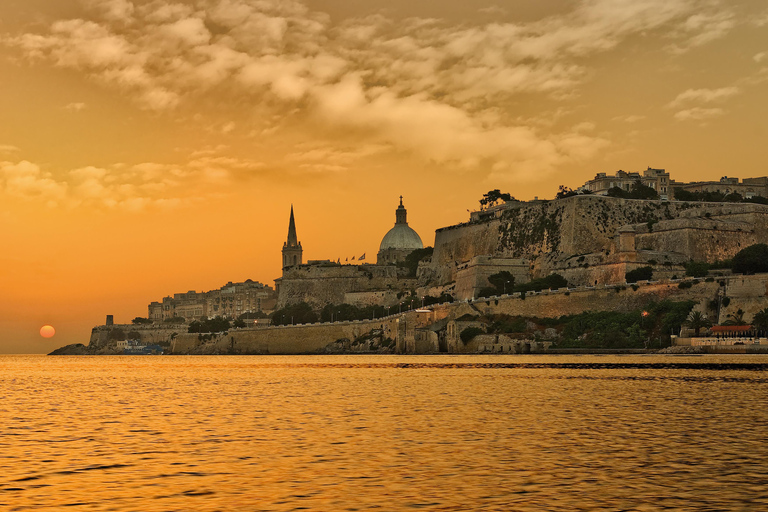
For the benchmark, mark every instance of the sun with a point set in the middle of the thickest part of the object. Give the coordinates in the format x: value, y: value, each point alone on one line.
x: 47, y: 331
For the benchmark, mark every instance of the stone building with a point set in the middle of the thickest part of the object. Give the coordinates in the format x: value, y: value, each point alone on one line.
x: 747, y: 188
x: 657, y: 179
x: 322, y: 282
x: 229, y: 301
x: 400, y: 241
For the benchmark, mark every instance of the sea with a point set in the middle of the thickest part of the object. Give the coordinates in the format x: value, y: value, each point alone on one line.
x: 390, y: 433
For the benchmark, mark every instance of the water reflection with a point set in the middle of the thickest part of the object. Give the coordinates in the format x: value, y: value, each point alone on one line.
x: 388, y: 433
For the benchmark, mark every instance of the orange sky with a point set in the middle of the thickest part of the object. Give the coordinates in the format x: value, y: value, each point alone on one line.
x: 153, y: 147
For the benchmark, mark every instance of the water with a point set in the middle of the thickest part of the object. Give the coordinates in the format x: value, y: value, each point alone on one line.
x: 556, y: 433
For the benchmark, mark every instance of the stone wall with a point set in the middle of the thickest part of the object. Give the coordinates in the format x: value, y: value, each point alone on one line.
x: 148, y: 334
x: 320, y: 285
x: 549, y: 234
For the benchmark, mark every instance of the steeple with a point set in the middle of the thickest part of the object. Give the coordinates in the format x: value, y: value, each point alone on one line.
x: 401, y: 214
x: 293, y: 240
x: 292, y: 251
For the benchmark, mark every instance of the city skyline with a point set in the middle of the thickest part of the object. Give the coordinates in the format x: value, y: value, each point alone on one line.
x: 155, y: 147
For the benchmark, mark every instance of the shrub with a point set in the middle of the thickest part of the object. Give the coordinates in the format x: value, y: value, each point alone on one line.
x: 685, y: 285
x: 140, y: 320
x: 751, y: 259
x: 639, y: 274
x: 469, y: 333
x: 696, y: 269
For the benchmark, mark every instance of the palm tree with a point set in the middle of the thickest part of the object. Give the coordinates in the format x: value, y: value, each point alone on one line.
x: 736, y: 318
x: 696, y: 320
x: 760, y: 320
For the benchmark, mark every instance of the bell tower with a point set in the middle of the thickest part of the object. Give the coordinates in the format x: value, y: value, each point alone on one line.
x: 292, y: 251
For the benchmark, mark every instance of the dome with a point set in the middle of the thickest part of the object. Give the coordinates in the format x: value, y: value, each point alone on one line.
x: 401, y: 237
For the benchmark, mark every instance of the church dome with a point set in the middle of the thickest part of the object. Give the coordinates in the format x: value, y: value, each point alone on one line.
x: 401, y: 237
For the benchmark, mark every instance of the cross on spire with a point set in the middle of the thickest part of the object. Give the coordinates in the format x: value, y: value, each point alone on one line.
x: 401, y: 200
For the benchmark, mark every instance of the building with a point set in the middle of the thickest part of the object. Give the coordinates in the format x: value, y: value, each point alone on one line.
x: 657, y: 179
x: 230, y: 301
x: 324, y: 281
x: 400, y: 241
x: 748, y: 188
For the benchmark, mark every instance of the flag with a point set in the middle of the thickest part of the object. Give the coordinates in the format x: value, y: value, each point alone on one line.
x: 353, y: 258
x: 361, y: 258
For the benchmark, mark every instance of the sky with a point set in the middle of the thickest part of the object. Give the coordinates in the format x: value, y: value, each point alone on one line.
x: 154, y: 147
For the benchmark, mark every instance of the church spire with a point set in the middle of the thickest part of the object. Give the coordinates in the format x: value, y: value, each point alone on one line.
x: 292, y: 251
x: 293, y: 240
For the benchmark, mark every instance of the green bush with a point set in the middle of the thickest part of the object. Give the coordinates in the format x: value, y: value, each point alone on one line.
x: 751, y: 259
x: 639, y: 274
x: 696, y: 269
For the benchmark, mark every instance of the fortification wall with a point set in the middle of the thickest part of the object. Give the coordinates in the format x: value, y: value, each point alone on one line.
x: 149, y: 334
x: 549, y: 233
x: 298, y: 339
x: 319, y: 286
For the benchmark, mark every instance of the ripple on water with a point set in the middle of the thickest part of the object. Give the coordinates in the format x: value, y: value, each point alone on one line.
x: 389, y: 433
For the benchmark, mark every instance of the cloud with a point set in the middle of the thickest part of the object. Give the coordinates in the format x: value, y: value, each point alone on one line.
x: 75, y: 107
x: 127, y: 187
x: 699, y: 114
x: 7, y: 148
x: 760, y: 57
x: 703, y: 96
x: 26, y: 180
x: 419, y: 85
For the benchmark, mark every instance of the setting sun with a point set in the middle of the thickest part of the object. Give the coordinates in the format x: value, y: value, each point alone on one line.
x: 47, y: 331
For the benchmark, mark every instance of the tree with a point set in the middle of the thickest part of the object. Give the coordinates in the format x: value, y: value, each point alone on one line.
x: 696, y: 269
x: 636, y: 191
x: 639, y: 274
x: 564, y: 192
x: 751, y: 259
x: 300, y: 313
x: 239, y: 323
x: 502, y: 282
x: 411, y: 261
x: 493, y: 197
x: 760, y: 320
x: 140, y: 320
x: 217, y: 324
x: 736, y: 318
x: 696, y: 321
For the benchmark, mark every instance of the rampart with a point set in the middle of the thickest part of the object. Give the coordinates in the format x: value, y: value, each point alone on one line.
x: 416, y: 331
x: 549, y: 233
x: 319, y: 285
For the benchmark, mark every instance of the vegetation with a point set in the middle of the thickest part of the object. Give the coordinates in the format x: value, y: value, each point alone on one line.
x: 647, y: 328
x: 697, y: 321
x: 639, y: 274
x: 494, y: 197
x: 300, y: 313
x: 551, y: 282
x: 751, y: 259
x: 637, y: 191
x: 469, y: 333
x: 239, y: 323
x: 217, y: 324
x: 760, y: 321
x: 696, y: 269
x: 175, y: 320
x: 736, y: 318
x: 139, y: 320
x: 564, y: 192
x: 411, y: 261
x: 501, y: 283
